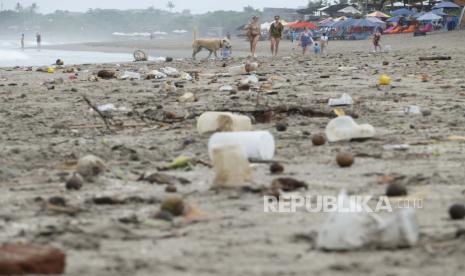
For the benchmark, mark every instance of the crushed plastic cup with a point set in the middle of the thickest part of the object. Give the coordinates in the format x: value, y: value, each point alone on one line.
x: 186, y: 76
x: 210, y: 122
x: 400, y: 230
x: 252, y: 79
x: 384, y: 80
x: 231, y: 167
x: 345, y: 128
x: 226, y: 88
x: 128, y: 75
x: 347, y: 230
x: 157, y: 74
x: 351, y: 227
x: 345, y: 99
x: 170, y: 71
x: 412, y: 109
x: 258, y: 145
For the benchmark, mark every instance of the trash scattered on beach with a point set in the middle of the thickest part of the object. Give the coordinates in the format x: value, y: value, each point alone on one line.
x: 140, y: 55
x: 345, y: 128
x: 396, y: 147
x: 413, y: 110
x: 210, y: 122
x: 231, y: 166
x: 345, y: 99
x: 384, y: 80
x: 350, y: 227
x: 128, y: 75
x: 259, y: 145
x: 90, y: 167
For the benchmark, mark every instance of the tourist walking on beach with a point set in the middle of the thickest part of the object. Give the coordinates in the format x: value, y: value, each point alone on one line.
x: 324, y: 42
x: 22, y: 42
x: 253, y: 33
x: 39, y: 40
x: 276, y: 32
x: 306, y: 40
x: 376, y: 41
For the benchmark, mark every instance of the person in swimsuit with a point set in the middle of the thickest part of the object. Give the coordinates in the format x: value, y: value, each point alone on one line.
x: 305, y: 40
x: 253, y: 33
x: 276, y: 32
x: 376, y: 41
x: 324, y: 42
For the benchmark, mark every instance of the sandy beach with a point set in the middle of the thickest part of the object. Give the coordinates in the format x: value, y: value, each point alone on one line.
x: 108, y: 227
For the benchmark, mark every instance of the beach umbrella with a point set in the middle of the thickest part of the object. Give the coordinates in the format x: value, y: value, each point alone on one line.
x: 377, y: 21
x: 378, y: 14
x: 439, y: 12
x: 418, y: 14
x: 394, y: 19
x: 360, y: 23
x: 302, y: 24
x: 326, y: 20
x: 340, y: 18
x: 429, y: 17
x: 327, y: 23
x: 446, y: 5
x: 403, y: 11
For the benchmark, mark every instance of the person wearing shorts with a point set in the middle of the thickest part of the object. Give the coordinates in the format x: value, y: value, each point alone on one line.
x: 276, y: 32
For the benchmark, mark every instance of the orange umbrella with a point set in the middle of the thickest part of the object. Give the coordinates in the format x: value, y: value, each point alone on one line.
x: 303, y: 24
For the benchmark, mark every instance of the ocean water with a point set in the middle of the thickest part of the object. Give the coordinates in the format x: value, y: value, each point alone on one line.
x: 11, y: 55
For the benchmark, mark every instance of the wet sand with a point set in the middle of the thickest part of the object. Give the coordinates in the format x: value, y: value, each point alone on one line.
x: 43, y: 133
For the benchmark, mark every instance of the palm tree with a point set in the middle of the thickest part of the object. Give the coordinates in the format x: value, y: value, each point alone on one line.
x: 170, y: 5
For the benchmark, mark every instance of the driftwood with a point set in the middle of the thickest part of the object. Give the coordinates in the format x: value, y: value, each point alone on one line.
x: 435, y: 58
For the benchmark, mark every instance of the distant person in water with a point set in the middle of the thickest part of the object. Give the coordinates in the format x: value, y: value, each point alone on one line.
x: 276, y: 32
x: 253, y: 34
x: 22, y: 42
x: 39, y: 40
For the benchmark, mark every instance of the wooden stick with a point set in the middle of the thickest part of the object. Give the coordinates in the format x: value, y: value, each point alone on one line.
x: 435, y: 58
x: 98, y: 112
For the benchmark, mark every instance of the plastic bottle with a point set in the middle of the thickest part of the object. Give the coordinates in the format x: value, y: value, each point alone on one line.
x: 210, y: 122
x: 232, y: 169
x: 345, y: 128
x: 258, y: 145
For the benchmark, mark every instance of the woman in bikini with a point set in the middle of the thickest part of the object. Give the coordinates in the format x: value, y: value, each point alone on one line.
x: 253, y: 33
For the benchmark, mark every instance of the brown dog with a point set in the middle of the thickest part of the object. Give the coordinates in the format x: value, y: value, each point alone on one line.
x: 212, y: 45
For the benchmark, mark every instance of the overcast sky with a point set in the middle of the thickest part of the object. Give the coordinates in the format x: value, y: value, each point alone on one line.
x: 196, y: 6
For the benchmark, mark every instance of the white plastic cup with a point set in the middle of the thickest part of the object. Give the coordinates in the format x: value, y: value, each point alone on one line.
x: 210, y: 122
x: 258, y: 145
x: 232, y: 169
